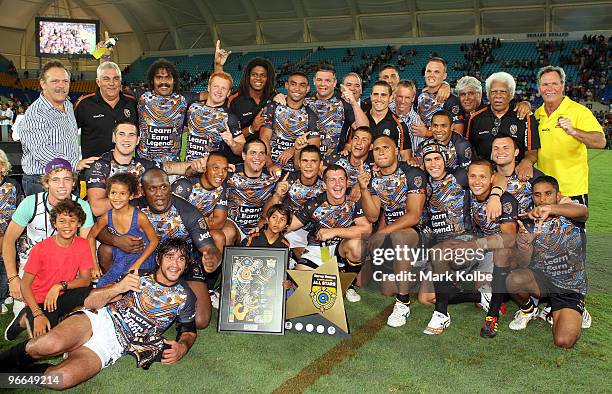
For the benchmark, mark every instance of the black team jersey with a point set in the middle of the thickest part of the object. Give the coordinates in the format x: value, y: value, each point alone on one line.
x: 204, y: 127
x: 478, y: 211
x: 393, y: 189
x: 287, y: 124
x: 141, y: 318
x: 321, y: 214
x: 298, y: 193
x: 246, y: 197
x: 335, y: 117
x: 206, y: 201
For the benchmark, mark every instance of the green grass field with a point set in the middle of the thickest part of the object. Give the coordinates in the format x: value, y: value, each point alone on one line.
x: 404, y: 359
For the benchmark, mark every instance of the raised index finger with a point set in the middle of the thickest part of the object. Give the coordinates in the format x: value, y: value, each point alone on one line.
x: 285, y: 178
x: 105, y: 35
x: 218, y: 46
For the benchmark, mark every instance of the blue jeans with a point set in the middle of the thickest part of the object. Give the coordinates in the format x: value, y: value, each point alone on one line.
x: 31, y: 184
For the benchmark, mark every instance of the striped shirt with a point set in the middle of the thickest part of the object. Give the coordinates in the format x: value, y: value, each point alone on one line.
x: 47, y: 133
x: 410, y: 118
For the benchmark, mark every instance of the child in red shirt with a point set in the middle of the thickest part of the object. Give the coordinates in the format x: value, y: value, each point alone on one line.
x: 50, y: 285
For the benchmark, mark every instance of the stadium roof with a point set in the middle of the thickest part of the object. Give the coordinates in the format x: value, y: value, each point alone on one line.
x: 161, y: 25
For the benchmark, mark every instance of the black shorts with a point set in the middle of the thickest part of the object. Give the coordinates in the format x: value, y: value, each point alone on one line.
x: 194, y: 272
x: 558, y: 298
x: 66, y: 302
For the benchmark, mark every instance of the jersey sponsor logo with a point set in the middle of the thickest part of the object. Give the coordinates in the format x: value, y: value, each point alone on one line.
x: 507, y: 207
x: 93, y: 180
x: 418, y: 181
x: 204, y: 236
x: 98, y: 116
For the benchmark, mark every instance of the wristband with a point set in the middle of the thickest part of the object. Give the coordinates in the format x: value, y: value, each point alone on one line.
x: 251, y: 130
x: 497, y: 187
x: 12, y: 277
x: 495, y: 194
x: 64, y: 285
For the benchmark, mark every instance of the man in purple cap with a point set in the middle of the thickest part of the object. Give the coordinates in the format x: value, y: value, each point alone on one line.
x: 33, y: 214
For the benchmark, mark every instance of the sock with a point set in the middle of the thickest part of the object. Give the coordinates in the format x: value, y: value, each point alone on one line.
x: 15, y: 358
x: 499, y: 290
x: 461, y: 297
x: 443, y: 289
x: 528, y: 306
x: 403, y: 299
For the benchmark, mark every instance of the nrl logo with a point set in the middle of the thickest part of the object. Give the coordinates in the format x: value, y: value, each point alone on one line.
x: 323, y: 291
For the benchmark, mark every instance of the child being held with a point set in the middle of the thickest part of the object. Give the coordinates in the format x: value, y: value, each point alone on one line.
x: 123, y: 219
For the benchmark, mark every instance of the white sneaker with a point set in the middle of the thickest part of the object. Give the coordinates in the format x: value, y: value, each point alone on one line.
x: 352, y: 295
x: 8, y: 301
x: 4, y: 310
x: 546, y: 315
x: 586, y: 319
x: 398, y: 317
x: 438, y: 323
x: 214, y: 298
x: 485, y: 297
x: 521, y: 319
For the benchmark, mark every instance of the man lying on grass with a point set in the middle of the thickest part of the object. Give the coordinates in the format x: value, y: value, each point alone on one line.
x: 128, y: 317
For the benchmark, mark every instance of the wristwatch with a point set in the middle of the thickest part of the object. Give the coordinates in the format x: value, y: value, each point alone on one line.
x: 64, y: 285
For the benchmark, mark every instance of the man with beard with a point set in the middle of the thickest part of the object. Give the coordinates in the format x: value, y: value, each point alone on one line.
x: 98, y: 113
x: 457, y: 149
x: 428, y: 104
x: 210, y: 126
x: 284, y: 124
x: 359, y: 155
x: 161, y: 113
x: 337, y: 114
x: 248, y: 189
x: 399, y: 190
x: 384, y: 122
x: 128, y: 317
x: 172, y: 216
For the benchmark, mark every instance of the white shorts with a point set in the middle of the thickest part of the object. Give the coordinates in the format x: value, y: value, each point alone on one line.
x: 297, y: 238
x: 313, y: 254
x: 103, y: 341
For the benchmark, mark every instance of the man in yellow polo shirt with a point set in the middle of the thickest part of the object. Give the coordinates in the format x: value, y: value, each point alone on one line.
x: 566, y: 130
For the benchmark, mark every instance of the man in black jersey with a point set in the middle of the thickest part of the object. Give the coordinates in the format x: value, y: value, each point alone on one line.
x: 384, y: 122
x: 128, y: 317
x: 172, y: 216
x: 458, y: 150
x: 399, y: 191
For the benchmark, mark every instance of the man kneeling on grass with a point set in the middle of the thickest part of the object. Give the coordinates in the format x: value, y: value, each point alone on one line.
x: 128, y: 317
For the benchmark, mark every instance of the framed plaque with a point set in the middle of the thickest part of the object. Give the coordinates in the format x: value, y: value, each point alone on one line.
x: 252, y: 293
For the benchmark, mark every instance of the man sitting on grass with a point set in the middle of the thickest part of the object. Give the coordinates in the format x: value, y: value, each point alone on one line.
x: 128, y: 317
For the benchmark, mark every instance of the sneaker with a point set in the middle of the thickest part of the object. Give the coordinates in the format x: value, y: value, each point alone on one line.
x: 214, y: 298
x: 546, y: 315
x: 13, y: 329
x: 503, y: 309
x: 521, y: 319
x: 352, y: 295
x: 489, y: 327
x: 4, y: 309
x: 438, y: 323
x: 485, y: 297
x: 8, y: 301
x: 398, y: 317
x: 586, y: 319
